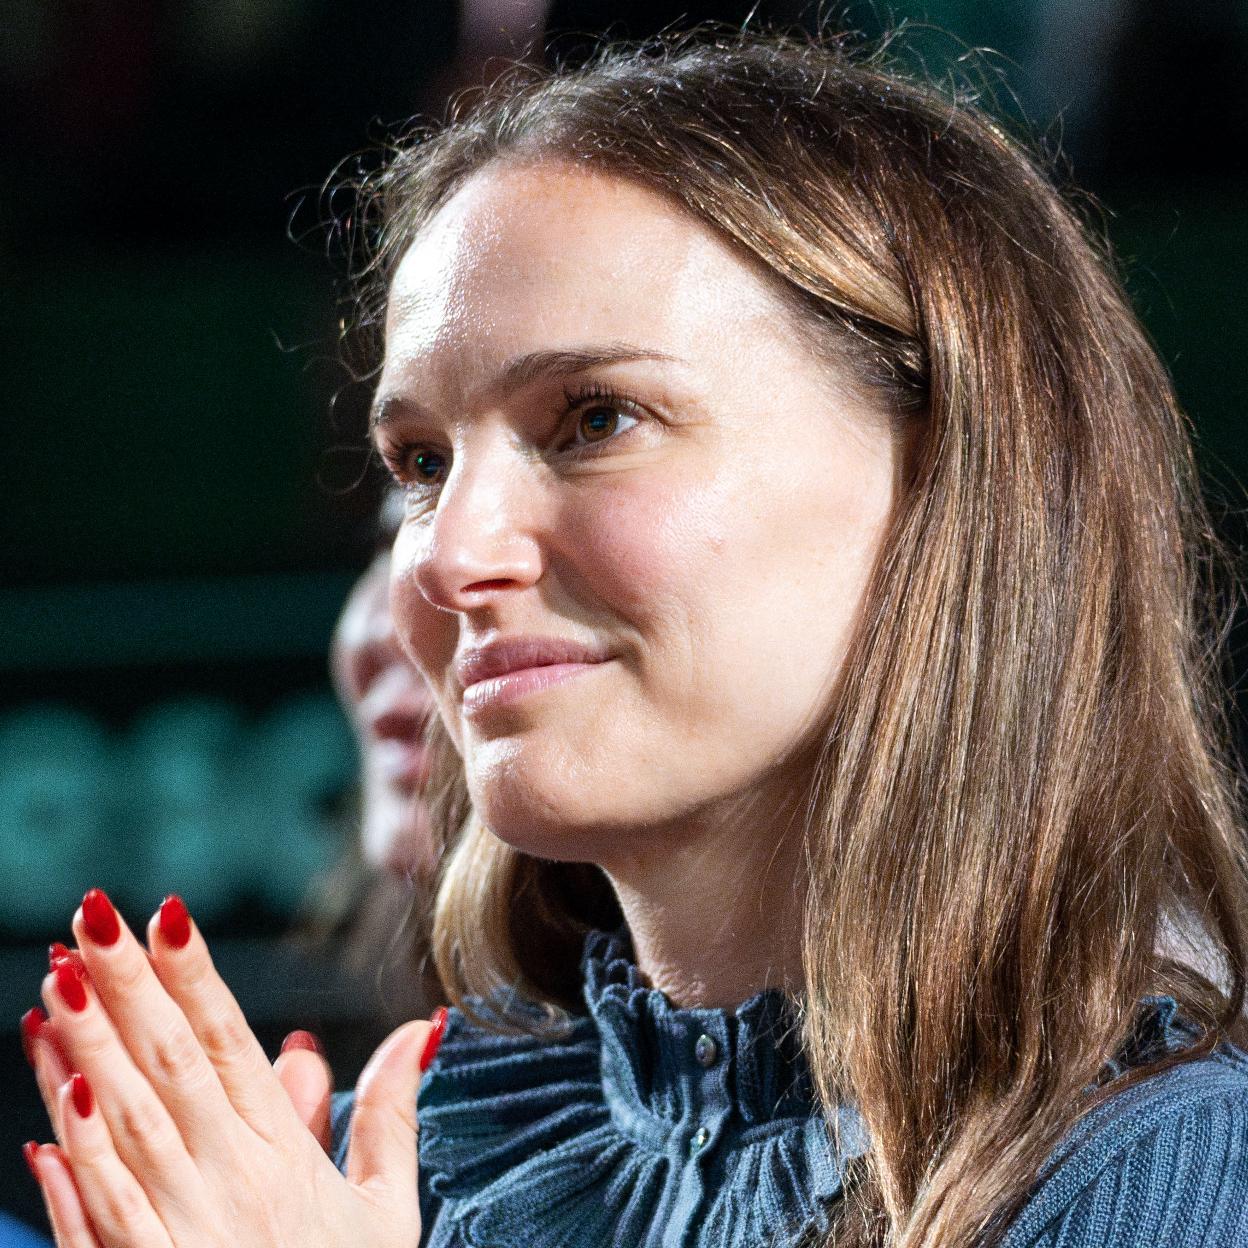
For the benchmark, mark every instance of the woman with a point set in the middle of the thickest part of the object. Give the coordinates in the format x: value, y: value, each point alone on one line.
x: 388, y: 705
x: 800, y: 544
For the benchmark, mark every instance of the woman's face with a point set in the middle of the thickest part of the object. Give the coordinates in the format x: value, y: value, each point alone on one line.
x: 612, y: 436
x: 388, y: 703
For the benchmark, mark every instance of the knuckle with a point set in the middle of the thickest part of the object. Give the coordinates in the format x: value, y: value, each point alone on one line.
x: 197, y: 975
x: 176, y: 1055
x: 129, y: 975
x: 226, y: 1037
x: 145, y: 1125
x: 124, y: 1205
x: 94, y: 1045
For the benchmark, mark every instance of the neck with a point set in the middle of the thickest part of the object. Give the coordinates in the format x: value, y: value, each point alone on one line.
x: 716, y: 917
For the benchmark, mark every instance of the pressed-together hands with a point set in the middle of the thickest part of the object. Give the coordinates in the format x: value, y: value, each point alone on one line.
x: 172, y: 1128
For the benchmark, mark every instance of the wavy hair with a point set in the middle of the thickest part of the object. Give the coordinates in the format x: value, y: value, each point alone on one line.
x: 1022, y: 807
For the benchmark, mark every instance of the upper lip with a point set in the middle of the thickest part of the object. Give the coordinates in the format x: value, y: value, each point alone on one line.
x: 511, y: 654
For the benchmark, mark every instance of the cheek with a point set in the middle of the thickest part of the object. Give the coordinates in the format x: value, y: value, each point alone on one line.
x: 728, y: 577
x: 642, y: 548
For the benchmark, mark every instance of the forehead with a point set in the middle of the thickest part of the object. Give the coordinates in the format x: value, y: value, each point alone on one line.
x: 548, y: 256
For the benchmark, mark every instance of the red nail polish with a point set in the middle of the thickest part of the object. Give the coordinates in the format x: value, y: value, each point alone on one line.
x: 29, y: 1149
x: 32, y: 1020
x: 80, y: 1094
x: 69, y: 984
x: 99, y: 918
x: 70, y: 955
x: 302, y: 1040
x: 434, y: 1042
x: 175, y: 923
x: 56, y: 950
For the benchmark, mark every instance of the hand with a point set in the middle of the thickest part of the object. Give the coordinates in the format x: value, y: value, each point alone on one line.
x: 300, y: 1067
x: 175, y: 1130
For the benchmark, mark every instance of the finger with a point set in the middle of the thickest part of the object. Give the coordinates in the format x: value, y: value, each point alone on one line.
x: 70, y: 1224
x: 180, y: 959
x: 146, y: 1136
x: 309, y: 1083
x: 113, y: 1199
x: 47, y: 1056
x: 151, y: 1026
x: 382, y: 1151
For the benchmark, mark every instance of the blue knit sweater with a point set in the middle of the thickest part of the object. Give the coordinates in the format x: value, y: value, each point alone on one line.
x: 652, y: 1127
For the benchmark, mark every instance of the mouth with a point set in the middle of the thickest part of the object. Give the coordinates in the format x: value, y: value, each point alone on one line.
x: 512, y: 686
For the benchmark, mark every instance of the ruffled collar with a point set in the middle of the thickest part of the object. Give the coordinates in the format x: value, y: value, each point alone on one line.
x: 639, y: 1115
x: 647, y: 1043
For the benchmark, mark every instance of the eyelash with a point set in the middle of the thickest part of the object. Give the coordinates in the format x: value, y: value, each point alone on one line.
x: 399, y: 456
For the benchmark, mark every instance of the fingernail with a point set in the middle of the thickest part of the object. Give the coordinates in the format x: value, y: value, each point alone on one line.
x: 80, y: 1094
x: 302, y: 1040
x: 175, y: 923
x: 99, y: 918
x: 56, y: 950
x: 69, y: 984
x: 70, y: 955
x: 29, y: 1149
x: 32, y: 1020
x: 434, y: 1041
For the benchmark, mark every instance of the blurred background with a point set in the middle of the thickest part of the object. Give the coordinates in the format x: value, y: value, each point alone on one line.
x: 185, y: 496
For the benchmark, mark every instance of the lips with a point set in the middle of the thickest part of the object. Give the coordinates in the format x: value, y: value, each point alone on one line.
x: 512, y: 654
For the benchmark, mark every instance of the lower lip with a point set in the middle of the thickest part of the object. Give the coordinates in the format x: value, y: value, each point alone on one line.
x: 503, y: 690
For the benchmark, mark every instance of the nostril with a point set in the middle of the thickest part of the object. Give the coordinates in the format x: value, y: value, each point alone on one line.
x: 482, y: 586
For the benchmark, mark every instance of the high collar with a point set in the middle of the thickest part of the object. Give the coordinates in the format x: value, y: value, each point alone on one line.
x: 635, y: 1120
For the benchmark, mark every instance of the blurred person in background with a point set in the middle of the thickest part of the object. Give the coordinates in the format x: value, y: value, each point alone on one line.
x: 362, y: 912
x: 390, y: 856
x: 389, y: 705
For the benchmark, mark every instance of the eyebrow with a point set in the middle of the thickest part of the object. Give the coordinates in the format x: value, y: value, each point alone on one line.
x: 533, y: 366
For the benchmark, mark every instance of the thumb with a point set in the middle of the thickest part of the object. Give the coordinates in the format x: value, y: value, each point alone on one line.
x: 382, y: 1150
x: 308, y: 1081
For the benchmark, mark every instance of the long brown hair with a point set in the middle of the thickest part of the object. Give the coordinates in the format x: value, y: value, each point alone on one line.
x: 1020, y: 787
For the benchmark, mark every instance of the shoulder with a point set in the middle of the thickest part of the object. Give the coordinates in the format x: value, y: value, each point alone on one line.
x: 1163, y: 1162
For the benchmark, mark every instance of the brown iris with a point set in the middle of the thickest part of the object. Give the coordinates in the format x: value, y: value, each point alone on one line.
x: 598, y: 422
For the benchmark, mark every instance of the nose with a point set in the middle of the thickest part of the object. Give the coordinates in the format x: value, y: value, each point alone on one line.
x: 482, y: 539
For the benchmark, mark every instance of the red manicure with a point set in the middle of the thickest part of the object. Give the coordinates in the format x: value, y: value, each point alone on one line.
x: 80, y: 1094
x: 434, y: 1042
x: 302, y: 1040
x: 56, y: 950
x: 70, y: 955
x: 99, y: 918
x: 29, y: 1149
x: 32, y: 1020
x: 175, y: 923
x: 69, y: 974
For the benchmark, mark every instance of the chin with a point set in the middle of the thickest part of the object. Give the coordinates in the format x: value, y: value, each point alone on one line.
x: 548, y: 828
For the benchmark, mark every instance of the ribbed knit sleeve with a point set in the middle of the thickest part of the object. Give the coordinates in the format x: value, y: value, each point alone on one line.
x: 1165, y: 1165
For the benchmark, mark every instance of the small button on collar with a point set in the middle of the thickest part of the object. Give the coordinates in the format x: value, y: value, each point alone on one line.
x: 705, y: 1051
x: 698, y: 1140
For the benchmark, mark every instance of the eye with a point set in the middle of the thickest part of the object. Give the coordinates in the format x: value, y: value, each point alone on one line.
x: 600, y: 416
x: 413, y: 466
